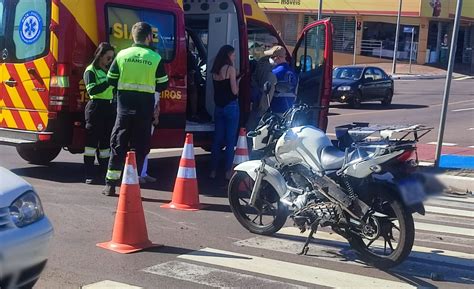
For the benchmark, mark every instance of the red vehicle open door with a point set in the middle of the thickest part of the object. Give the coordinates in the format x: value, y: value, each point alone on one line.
x: 312, y: 60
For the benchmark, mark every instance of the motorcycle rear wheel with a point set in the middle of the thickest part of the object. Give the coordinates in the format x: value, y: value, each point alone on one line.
x: 400, y: 222
x: 270, y: 208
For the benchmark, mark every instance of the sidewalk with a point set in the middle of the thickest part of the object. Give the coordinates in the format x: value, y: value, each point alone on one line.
x: 418, y: 71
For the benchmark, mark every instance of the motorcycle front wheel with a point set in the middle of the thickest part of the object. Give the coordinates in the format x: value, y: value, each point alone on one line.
x: 389, y: 238
x: 269, y: 213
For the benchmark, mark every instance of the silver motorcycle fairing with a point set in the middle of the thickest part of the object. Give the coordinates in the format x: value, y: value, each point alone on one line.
x: 302, y: 145
x: 272, y: 175
x: 362, y: 168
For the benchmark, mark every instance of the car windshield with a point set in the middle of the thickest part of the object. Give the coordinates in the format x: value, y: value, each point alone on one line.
x: 353, y: 73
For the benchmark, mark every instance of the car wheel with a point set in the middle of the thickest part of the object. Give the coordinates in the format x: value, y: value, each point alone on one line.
x: 388, y: 98
x: 356, y: 100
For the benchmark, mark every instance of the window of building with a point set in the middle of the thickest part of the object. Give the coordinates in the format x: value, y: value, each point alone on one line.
x: 121, y: 20
x: 30, y: 32
x: 344, y: 30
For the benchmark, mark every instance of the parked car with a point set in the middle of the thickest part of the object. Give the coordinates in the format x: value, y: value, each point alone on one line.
x: 25, y: 233
x: 357, y: 84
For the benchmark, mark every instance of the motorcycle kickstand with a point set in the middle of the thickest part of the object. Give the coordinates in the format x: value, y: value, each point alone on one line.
x: 314, y: 229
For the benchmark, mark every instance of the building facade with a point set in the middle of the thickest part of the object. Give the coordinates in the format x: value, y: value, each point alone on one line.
x: 373, y: 24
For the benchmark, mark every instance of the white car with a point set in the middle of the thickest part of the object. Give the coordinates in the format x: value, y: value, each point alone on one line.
x: 25, y: 233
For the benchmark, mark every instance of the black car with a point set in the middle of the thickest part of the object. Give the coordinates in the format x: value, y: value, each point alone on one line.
x: 356, y: 84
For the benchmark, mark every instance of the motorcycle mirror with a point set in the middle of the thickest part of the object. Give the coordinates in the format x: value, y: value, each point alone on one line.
x: 253, y: 133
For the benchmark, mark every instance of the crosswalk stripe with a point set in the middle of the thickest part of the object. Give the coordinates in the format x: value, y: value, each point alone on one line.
x: 433, y: 254
x: 444, y: 229
x: 454, y: 199
x: 287, y: 270
x: 451, y: 204
x: 214, y: 277
x: 449, y: 211
x: 107, y: 284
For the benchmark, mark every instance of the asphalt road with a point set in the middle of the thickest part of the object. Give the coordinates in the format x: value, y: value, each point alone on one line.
x: 419, y: 102
x: 209, y: 248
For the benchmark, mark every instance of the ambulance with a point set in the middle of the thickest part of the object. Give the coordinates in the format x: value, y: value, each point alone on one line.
x: 45, y: 45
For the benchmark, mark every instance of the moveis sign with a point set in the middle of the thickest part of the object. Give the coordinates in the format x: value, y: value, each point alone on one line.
x: 283, y: 2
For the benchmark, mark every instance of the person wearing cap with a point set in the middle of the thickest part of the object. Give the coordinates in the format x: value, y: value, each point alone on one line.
x: 282, y: 101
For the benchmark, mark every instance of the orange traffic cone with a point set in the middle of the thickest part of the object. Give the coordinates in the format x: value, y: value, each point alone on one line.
x: 185, y: 193
x: 130, y: 233
x: 241, y: 152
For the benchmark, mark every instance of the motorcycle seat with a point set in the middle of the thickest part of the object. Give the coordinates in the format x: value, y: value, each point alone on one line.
x: 332, y: 158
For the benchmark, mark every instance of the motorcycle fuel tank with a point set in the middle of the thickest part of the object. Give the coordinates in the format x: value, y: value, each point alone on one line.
x: 302, y: 144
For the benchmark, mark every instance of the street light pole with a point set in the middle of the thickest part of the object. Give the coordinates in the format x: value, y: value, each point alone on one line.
x: 411, y: 46
x: 320, y: 10
x: 355, y: 43
x: 397, y: 33
x: 449, y: 77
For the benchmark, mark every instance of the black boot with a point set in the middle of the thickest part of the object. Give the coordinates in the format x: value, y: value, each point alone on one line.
x: 89, y: 169
x: 109, y: 190
x: 103, y: 164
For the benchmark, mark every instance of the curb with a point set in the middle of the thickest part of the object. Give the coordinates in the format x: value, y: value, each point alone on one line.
x: 456, y: 184
x: 428, y: 76
x: 410, y: 77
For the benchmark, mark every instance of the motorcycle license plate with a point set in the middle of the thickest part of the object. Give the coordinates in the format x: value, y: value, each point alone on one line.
x: 412, y: 191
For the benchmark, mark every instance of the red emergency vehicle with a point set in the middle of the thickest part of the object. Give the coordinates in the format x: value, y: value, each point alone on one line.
x: 45, y: 45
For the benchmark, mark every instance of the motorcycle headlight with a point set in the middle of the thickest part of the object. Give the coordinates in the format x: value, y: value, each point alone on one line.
x: 344, y: 88
x: 26, y: 210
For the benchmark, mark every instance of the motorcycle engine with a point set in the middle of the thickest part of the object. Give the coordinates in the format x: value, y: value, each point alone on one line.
x: 322, y: 213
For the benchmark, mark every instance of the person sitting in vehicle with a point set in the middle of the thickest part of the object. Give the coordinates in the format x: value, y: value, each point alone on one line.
x: 282, y: 100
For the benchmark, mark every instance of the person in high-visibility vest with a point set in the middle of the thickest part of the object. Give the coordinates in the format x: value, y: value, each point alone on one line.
x: 137, y: 72
x: 100, y: 112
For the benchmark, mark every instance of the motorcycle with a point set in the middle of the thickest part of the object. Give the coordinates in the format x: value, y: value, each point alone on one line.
x: 366, y: 192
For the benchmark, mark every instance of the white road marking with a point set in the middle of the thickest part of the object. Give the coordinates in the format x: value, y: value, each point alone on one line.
x: 471, y: 128
x: 449, y: 211
x: 463, y: 109
x: 447, y: 144
x: 433, y: 254
x: 444, y: 229
x: 290, y: 271
x: 107, y: 284
x: 454, y: 199
x: 471, y: 147
x: 463, y: 78
x: 214, y: 277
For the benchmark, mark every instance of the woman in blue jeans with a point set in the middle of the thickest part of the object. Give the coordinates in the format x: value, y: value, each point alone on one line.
x: 226, y: 113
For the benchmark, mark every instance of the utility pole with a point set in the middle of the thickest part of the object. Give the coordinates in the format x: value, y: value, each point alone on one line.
x: 355, y: 43
x: 320, y: 10
x: 449, y: 77
x: 397, y: 33
x: 411, y: 46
